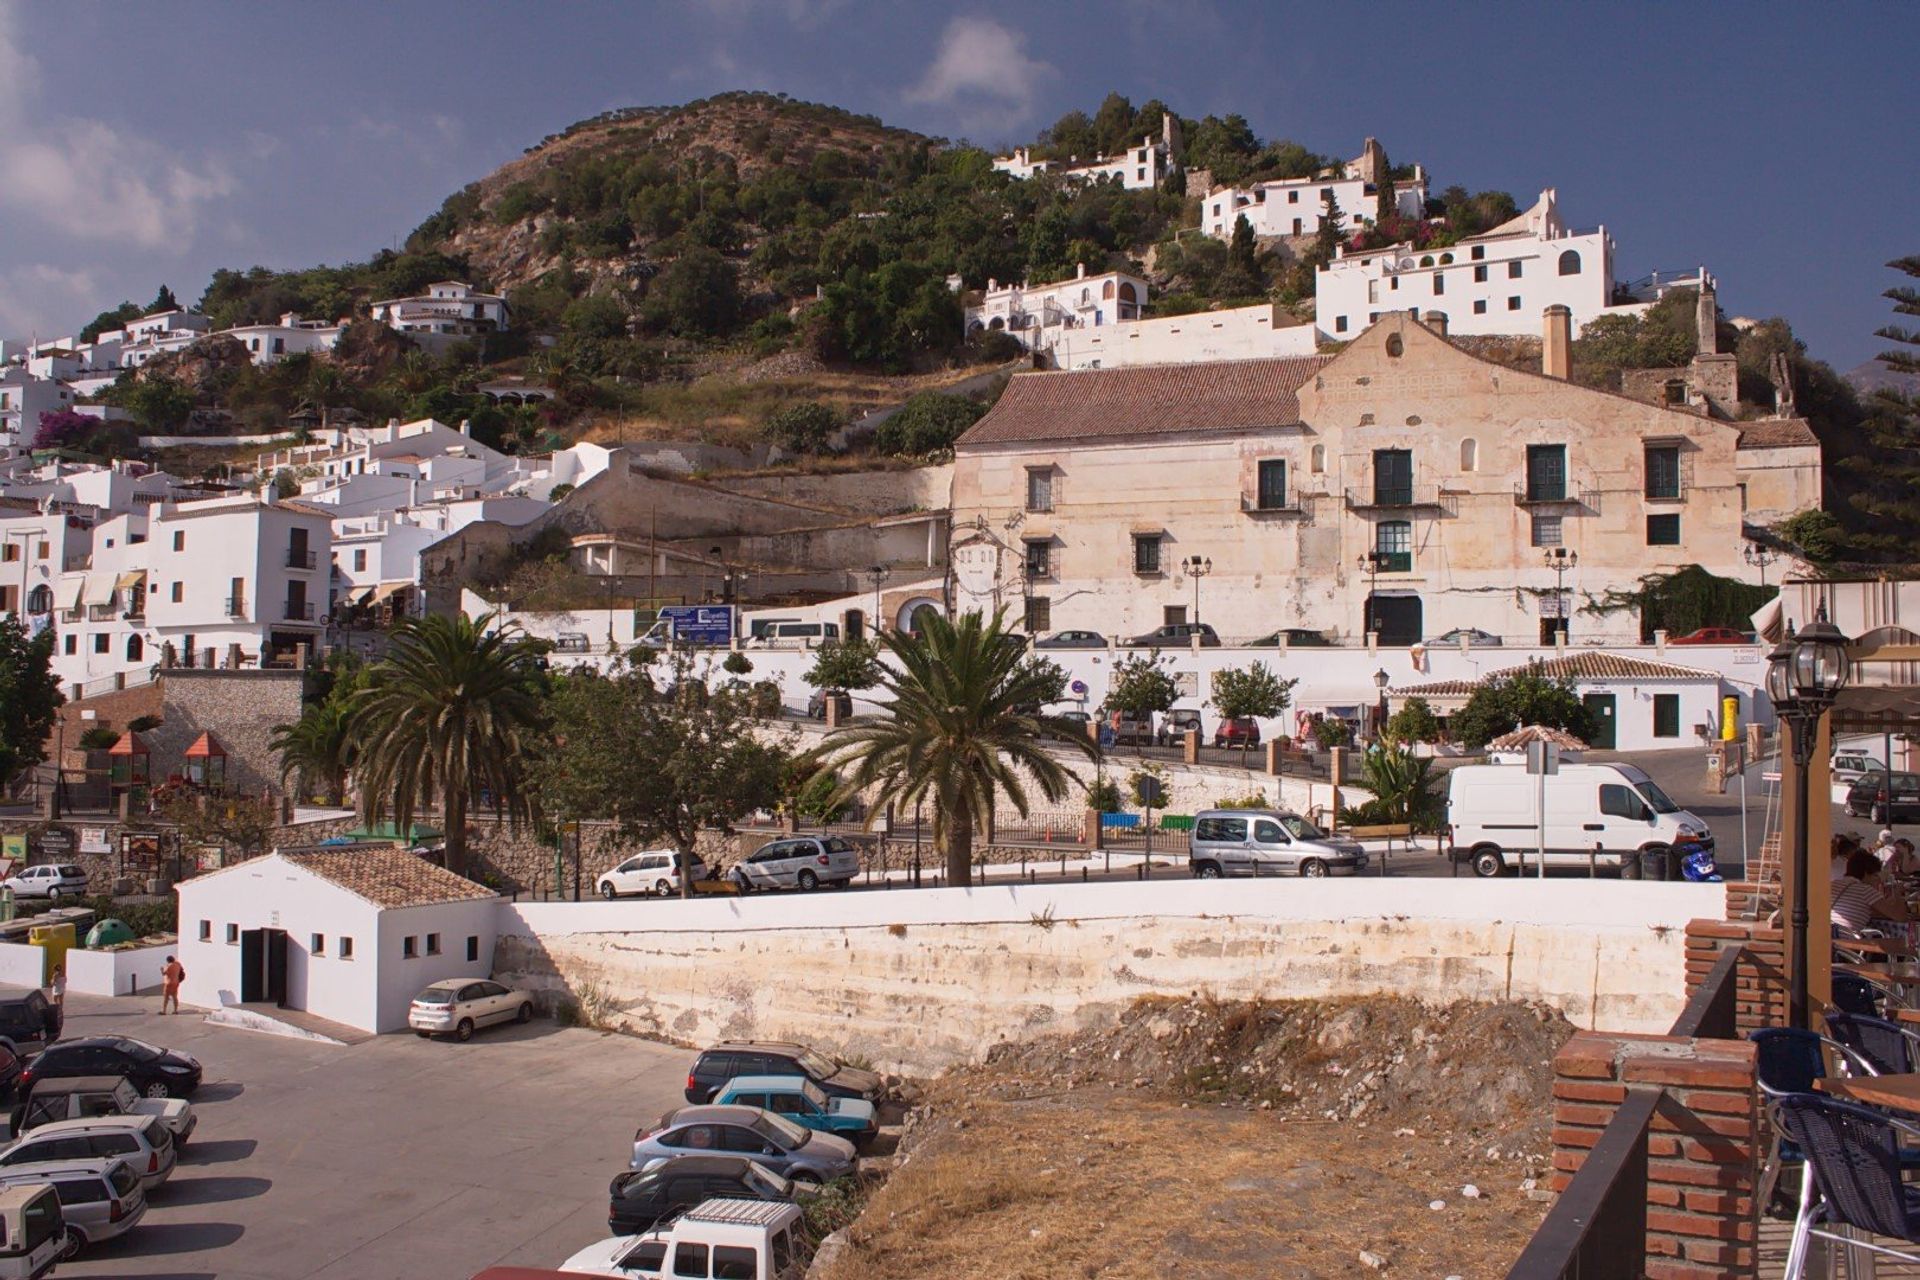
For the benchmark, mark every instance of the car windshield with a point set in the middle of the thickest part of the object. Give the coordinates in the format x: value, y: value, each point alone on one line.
x: 125, y: 1096
x: 816, y: 1066
x: 1300, y: 829
x: 785, y: 1133
x: 771, y: 1186
x: 1659, y: 800
x: 436, y: 995
x: 814, y: 1093
x: 138, y: 1050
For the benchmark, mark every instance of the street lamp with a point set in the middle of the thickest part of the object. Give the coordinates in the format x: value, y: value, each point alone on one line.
x: 1759, y: 557
x: 1196, y: 567
x: 1371, y: 563
x: 878, y: 574
x: 1805, y: 673
x: 1560, y: 560
x: 1380, y: 681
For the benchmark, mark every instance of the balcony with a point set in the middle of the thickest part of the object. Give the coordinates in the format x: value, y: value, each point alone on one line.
x: 1421, y: 497
x: 298, y: 611
x: 1542, y: 495
x: 1270, y: 504
x: 237, y: 607
x: 300, y: 559
x: 102, y: 612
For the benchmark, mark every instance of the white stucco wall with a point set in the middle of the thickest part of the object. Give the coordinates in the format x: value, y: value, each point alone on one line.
x: 400, y: 979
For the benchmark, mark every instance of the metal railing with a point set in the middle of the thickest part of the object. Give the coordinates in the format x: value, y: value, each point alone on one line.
x: 1398, y: 498
x: 298, y: 611
x: 236, y: 606
x: 298, y: 559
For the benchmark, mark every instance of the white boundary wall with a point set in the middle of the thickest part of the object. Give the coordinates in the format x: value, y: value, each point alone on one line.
x: 117, y: 973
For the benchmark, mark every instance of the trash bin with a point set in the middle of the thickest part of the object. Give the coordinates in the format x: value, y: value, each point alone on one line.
x: 1653, y: 864
x: 108, y: 933
x: 54, y: 941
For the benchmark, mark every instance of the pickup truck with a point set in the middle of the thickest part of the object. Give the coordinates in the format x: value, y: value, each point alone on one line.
x: 80, y: 1097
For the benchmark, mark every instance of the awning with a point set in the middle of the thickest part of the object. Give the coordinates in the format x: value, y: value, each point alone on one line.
x: 358, y: 594
x: 99, y: 589
x: 387, y: 590
x: 1769, y: 621
x: 67, y: 594
x: 138, y: 578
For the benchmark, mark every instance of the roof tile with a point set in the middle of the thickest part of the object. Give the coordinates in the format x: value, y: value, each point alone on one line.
x: 389, y: 877
x: 1225, y: 395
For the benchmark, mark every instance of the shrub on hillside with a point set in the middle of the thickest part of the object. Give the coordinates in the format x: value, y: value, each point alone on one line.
x: 927, y: 424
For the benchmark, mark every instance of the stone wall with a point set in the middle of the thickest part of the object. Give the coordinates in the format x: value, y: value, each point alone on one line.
x: 240, y: 709
x: 113, y: 710
x: 877, y: 492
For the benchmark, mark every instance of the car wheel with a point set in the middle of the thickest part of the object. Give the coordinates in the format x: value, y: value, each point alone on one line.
x: 804, y: 1178
x: 525, y: 1015
x: 1207, y: 870
x: 1487, y: 863
x: 159, y: 1089
x: 607, y: 892
x: 53, y: 893
x: 464, y: 1032
x: 424, y: 1035
x: 76, y: 1241
x: 662, y: 889
x: 808, y: 881
x: 1314, y: 869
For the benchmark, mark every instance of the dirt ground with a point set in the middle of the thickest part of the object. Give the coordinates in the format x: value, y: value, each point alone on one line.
x: 1201, y: 1139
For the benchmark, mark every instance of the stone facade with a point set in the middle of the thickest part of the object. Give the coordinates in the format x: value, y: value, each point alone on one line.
x: 240, y: 709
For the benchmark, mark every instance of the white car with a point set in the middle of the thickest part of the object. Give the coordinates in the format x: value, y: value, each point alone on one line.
x: 460, y: 1006
x: 52, y: 881
x: 750, y: 1239
x: 657, y: 871
x: 1850, y: 766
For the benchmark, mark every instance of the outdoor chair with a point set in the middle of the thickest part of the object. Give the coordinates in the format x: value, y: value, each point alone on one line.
x: 1786, y: 1063
x: 1854, y: 1161
x: 1890, y: 1047
x: 1855, y: 994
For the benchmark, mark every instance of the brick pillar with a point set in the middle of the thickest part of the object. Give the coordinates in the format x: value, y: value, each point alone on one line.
x: 1190, y: 746
x: 1760, y: 981
x: 1274, y: 756
x: 1702, y: 1146
x: 1093, y: 828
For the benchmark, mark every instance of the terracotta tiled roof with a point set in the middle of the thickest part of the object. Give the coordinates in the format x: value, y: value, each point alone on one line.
x: 1777, y: 433
x: 1595, y: 665
x: 1222, y: 395
x: 1536, y: 733
x: 389, y: 877
x: 1439, y: 689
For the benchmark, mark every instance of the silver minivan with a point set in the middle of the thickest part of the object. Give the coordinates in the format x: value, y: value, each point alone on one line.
x: 144, y: 1142
x: 1268, y: 842
x: 99, y: 1199
x: 798, y: 862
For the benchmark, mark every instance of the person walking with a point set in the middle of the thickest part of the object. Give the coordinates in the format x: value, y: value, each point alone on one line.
x: 59, y: 986
x: 170, y: 979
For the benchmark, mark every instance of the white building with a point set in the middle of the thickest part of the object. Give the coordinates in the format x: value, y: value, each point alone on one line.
x: 1038, y: 315
x: 153, y: 336
x: 271, y: 343
x: 23, y: 398
x: 350, y: 935
x: 449, y: 308
x: 1294, y: 206
x: 1138, y: 168
x: 1497, y: 282
x: 1241, y: 333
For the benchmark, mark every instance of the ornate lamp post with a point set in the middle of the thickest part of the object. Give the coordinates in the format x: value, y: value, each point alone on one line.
x: 1805, y: 673
x: 1196, y: 567
x: 1561, y: 560
x: 1380, y: 681
x: 1370, y: 562
x: 1759, y: 557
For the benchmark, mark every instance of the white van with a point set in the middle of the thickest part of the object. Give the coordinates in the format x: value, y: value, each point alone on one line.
x: 715, y: 1240
x: 32, y: 1232
x: 1492, y: 822
x: 785, y: 634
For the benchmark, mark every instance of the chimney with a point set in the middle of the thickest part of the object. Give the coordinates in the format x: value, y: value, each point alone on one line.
x: 1082, y: 274
x: 1556, y: 342
x: 1706, y: 319
x: 1437, y: 321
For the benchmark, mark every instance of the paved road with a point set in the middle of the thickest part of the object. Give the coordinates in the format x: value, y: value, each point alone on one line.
x: 399, y: 1157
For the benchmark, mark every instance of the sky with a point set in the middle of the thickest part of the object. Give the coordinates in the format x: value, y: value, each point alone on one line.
x: 142, y: 144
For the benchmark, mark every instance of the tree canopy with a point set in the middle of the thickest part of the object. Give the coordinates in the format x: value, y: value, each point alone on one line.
x: 30, y: 692
x: 1502, y: 704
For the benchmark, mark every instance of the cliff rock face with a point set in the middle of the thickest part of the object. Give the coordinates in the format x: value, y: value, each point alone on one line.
x: 199, y: 366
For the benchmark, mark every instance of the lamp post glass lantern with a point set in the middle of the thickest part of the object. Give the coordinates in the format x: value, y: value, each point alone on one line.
x: 1380, y: 681
x: 1196, y: 567
x: 1805, y: 673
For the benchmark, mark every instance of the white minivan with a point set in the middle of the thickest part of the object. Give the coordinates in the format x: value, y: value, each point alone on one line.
x: 1493, y: 823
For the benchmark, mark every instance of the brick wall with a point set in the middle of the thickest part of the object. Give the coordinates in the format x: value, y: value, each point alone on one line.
x: 113, y: 710
x: 1702, y: 1146
x: 1760, y: 998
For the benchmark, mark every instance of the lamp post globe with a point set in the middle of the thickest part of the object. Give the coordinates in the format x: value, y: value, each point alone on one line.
x: 1805, y: 673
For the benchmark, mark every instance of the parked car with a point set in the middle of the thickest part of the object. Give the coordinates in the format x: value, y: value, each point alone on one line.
x: 1129, y: 731
x: 1180, y: 633
x: 752, y: 1240
x: 1885, y: 797
x: 460, y: 1006
x: 81, y: 1097
x: 793, y: 1151
x: 656, y: 871
x: 153, y: 1071
x: 1268, y: 842
x: 1712, y: 635
x: 1072, y: 640
x: 100, y: 1197
x: 640, y: 1201
x: 805, y: 1103
x: 30, y: 1022
x: 1074, y: 716
x: 144, y: 1142
x: 1851, y: 766
x: 12, y: 1067
x: 1295, y: 637
x: 730, y: 1058
x: 33, y: 1232
x: 1493, y: 817
x: 817, y: 703
x: 1240, y: 731
x: 1174, y: 725
x: 52, y: 881
x: 799, y: 862
x: 1473, y: 636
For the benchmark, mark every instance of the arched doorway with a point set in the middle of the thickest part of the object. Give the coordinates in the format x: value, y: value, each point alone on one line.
x: 853, y: 624
x: 913, y: 613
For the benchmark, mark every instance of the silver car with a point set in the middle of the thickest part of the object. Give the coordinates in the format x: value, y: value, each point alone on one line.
x: 52, y: 881
x: 460, y: 1006
x: 99, y: 1198
x: 656, y: 871
x: 795, y: 1153
x: 144, y: 1142
x: 1268, y: 842
x: 799, y: 862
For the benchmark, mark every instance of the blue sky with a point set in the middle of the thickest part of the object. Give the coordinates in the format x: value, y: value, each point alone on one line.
x: 149, y: 143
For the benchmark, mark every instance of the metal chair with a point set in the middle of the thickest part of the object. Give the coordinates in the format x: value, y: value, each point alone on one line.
x: 1890, y: 1047
x: 1855, y: 994
x: 1854, y: 1162
x: 1786, y: 1063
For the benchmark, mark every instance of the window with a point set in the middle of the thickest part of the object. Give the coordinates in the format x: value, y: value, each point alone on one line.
x: 1663, y: 471
x: 1480, y: 274
x: 1039, y: 558
x: 206, y: 931
x: 1546, y: 473
x: 1479, y: 252
x: 1392, y: 477
x: 1173, y: 615
x: 1620, y: 802
x: 1293, y: 197
x: 72, y: 644
x: 1229, y: 830
x: 1039, y: 614
x: 409, y: 947
x: 179, y: 539
x: 1666, y: 715
x: 346, y: 948
x: 735, y: 1262
x: 1393, y: 539
x: 102, y: 642
x: 1513, y: 304
x: 1395, y: 347
x: 1663, y: 531
x: 1513, y: 270
x: 433, y: 944
x: 360, y: 560
x: 1439, y: 283
x: 136, y: 648
x: 317, y: 945
x: 690, y: 1260
x: 1546, y: 531
x: 40, y: 599
x: 473, y: 948
x: 1674, y: 390
x: 1146, y: 553
x: 233, y: 935
x: 1039, y: 489
x: 178, y: 592
x: 1273, y: 484
x: 1570, y: 263
x: 1317, y: 459
x: 10, y: 552
x: 42, y: 551
x: 1339, y: 324
x: 1469, y: 455
x: 1479, y: 306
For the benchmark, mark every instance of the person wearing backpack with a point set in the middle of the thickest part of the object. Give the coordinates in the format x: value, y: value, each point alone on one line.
x: 170, y: 978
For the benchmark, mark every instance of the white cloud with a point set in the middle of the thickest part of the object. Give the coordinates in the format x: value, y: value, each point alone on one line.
x: 87, y: 178
x: 801, y: 13
x: 40, y: 300
x: 982, y: 70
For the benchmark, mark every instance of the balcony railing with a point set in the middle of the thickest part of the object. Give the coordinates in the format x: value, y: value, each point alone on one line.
x: 1271, y: 504
x: 1541, y: 495
x: 1398, y: 498
x: 299, y: 559
x: 299, y: 611
x: 236, y: 606
x: 101, y: 612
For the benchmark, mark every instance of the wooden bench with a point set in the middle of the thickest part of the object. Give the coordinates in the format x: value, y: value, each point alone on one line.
x: 1384, y: 831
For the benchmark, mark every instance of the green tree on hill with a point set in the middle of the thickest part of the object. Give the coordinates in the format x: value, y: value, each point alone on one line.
x: 30, y: 692
x: 1888, y: 469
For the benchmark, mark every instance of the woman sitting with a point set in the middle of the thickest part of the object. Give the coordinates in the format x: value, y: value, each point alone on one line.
x: 1859, y: 897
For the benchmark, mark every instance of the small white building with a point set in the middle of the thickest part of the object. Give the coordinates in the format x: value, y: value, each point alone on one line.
x: 350, y: 935
x: 1294, y: 206
x: 272, y: 343
x: 23, y: 398
x: 1139, y: 167
x: 1257, y: 332
x: 449, y: 308
x: 1039, y: 314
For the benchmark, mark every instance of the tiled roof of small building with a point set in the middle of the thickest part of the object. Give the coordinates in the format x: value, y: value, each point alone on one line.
x: 389, y: 877
x: 1595, y: 665
x: 1536, y: 733
x: 1084, y: 404
x: 1439, y: 689
x: 1776, y: 433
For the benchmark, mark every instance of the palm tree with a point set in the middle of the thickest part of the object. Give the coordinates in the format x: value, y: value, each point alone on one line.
x: 453, y: 706
x: 965, y: 729
x: 320, y: 747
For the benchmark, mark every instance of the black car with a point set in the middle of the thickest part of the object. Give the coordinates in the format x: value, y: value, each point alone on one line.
x: 1885, y: 797
x: 29, y: 1022
x: 1295, y: 638
x: 641, y: 1201
x: 155, y: 1072
x: 11, y: 1069
x: 817, y: 704
x: 1180, y: 633
x: 732, y: 1058
x: 1072, y: 640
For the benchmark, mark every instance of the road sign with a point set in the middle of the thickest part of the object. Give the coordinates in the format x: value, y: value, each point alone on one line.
x: 1543, y: 757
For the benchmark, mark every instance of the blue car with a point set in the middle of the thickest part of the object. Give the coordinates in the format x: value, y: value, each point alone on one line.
x: 800, y: 1100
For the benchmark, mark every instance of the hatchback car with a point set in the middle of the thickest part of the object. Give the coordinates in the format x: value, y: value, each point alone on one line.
x: 459, y: 1006
x: 100, y: 1198
x: 640, y: 1201
x: 805, y: 1103
x: 1472, y: 637
x: 793, y: 1151
x: 1269, y: 842
x: 52, y: 881
x: 1240, y: 731
x: 1711, y: 635
x: 1885, y: 797
x: 1174, y: 725
x: 1180, y: 633
x: 731, y: 1058
x: 1295, y: 638
x: 1072, y: 640
x: 153, y: 1071
x: 30, y: 1022
x: 656, y: 871
x: 802, y: 862
x: 144, y: 1142
x: 90, y: 1097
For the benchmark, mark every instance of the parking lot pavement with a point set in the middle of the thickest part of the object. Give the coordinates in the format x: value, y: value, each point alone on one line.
x: 397, y: 1157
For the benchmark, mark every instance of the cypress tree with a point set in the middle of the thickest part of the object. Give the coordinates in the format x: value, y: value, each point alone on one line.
x: 1240, y: 251
x: 1889, y: 467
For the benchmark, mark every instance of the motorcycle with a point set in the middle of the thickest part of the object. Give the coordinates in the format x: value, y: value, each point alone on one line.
x: 1696, y: 863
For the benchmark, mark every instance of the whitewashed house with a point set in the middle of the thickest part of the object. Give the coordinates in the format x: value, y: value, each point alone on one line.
x: 23, y: 398
x: 350, y: 935
x: 163, y: 334
x: 450, y: 308
x: 241, y: 576
x: 272, y: 343
x: 1258, y: 332
x: 1039, y: 314
x: 1139, y: 167
x: 1294, y: 206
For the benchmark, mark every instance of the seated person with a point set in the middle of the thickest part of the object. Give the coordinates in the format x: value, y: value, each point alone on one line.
x: 1859, y: 897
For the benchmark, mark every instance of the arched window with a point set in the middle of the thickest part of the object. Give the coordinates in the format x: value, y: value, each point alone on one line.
x: 1394, y: 345
x: 134, y: 648
x: 40, y: 599
x: 1469, y: 454
x: 1446, y: 259
x: 1317, y: 460
x: 1426, y: 260
x: 1570, y: 263
x: 1106, y: 290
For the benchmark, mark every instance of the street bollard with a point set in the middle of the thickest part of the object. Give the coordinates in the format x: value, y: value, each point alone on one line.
x: 1083, y: 875
x: 1593, y: 862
